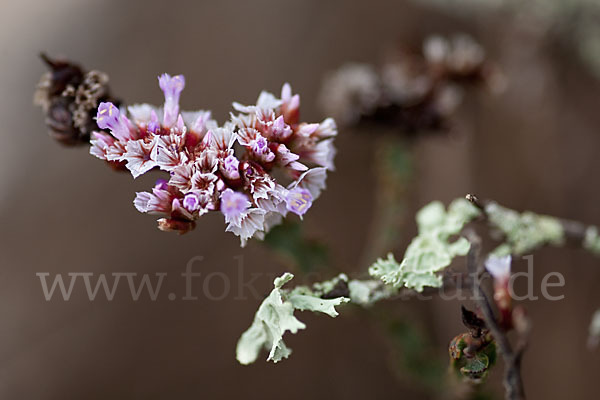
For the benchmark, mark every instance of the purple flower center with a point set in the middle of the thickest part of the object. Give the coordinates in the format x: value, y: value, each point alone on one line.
x: 298, y: 201
x: 191, y: 202
x: 233, y: 204
x: 161, y: 184
x: 153, y: 125
x: 231, y: 167
x: 107, y: 116
x: 260, y: 147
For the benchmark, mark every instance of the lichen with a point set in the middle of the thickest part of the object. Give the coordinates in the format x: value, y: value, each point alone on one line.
x: 431, y: 251
x: 524, y: 232
x: 275, y: 317
x: 592, y: 240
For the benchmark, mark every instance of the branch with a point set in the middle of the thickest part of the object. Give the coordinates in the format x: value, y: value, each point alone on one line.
x: 574, y: 232
x: 512, y: 358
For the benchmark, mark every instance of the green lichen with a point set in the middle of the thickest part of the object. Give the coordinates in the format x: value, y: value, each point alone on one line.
x: 594, y: 337
x: 431, y: 251
x: 592, y: 240
x: 524, y: 232
x: 275, y: 317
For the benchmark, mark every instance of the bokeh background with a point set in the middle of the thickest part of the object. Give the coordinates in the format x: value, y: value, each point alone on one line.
x: 536, y: 146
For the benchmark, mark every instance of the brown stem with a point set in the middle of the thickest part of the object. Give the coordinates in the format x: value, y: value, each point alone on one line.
x: 513, y: 382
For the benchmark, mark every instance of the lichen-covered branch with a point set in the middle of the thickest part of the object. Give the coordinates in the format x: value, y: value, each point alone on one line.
x: 527, y: 231
x: 424, y: 266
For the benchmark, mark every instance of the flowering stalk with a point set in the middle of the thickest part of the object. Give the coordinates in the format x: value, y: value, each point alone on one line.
x: 226, y: 168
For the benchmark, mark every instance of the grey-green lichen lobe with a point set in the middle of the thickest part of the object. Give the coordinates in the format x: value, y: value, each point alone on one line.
x: 524, y: 232
x: 275, y: 317
x: 591, y: 241
x: 432, y: 250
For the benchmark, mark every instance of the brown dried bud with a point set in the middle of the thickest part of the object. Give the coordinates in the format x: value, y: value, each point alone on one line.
x: 69, y: 97
x: 175, y: 225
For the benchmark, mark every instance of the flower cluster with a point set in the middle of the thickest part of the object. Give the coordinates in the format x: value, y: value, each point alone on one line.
x: 228, y: 168
x: 413, y: 92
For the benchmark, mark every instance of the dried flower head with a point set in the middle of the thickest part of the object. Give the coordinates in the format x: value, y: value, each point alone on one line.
x: 415, y: 91
x: 226, y: 168
x: 69, y: 97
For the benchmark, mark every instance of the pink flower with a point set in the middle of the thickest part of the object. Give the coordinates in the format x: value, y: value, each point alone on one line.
x: 109, y: 117
x: 233, y: 204
x: 298, y: 201
x: 172, y: 88
x: 138, y: 157
x: 499, y: 267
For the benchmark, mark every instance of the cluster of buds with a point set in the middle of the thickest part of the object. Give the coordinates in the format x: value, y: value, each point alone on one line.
x: 69, y: 97
x: 413, y: 92
x: 228, y: 168
x: 473, y: 353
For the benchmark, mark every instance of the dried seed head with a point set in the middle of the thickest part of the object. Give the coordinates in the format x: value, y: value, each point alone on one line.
x: 69, y: 97
x: 416, y: 92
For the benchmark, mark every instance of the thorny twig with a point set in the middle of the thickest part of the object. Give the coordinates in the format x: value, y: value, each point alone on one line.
x: 512, y: 357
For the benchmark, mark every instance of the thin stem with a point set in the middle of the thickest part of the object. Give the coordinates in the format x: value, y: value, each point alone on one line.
x: 513, y: 382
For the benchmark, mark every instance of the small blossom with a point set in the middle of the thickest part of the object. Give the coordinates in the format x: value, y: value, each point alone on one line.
x: 101, y: 142
x: 248, y: 224
x: 191, y: 202
x: 204, y: 181
x: 154, y: 124
x: 233, y: 204
x: 109, y: 117
x: 299, y: 201
x: 138, y: 157
x: 286, y: 158
x: 312, y: 180
x: 172, y: 88
x: 231, y: 166
x: 499, y: 267
x: 289, y: 104
x: 161, y: 184
x: 141, y: 201
x: 260, y: 148
x: 280, y: 130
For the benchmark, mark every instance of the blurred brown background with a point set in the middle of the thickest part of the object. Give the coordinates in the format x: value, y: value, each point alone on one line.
x: 534, y: 147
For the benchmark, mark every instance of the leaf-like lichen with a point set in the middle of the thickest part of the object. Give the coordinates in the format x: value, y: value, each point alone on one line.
x: 594, y: 337
x: 275, y: 316
x: 592, y: 240
x: 431, y: 251
x: 525, y: 231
